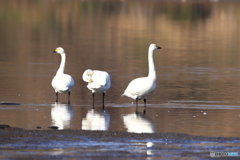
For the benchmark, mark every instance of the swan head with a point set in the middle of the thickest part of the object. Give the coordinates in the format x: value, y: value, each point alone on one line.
x: 154, y: 47
x: 59, y: 50
x: 87, y: 75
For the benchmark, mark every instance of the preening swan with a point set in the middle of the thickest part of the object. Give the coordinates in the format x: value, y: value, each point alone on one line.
x: 98, y: 81
x: 141, y: 88
x: 62, y: 83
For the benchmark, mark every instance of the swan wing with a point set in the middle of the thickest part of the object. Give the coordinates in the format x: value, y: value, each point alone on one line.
x: 100, y: 78
x: 139, y: 88
x: 136, y: 86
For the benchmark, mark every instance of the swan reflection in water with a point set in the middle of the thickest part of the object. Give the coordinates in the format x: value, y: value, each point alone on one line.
x: 139, y: 123
x: 61, y: 114
x: 96, y: 119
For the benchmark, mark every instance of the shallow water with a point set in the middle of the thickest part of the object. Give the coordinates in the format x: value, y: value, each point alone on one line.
x: 198, y: 67
x: 194, y: 117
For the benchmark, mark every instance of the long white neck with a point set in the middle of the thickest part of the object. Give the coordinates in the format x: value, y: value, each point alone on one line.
x: 62, y: 64
x: 152, y: 70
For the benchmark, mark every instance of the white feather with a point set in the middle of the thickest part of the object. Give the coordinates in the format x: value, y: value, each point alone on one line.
x: 140, y: 88
x: 98, y: 81
x: 62, y: 83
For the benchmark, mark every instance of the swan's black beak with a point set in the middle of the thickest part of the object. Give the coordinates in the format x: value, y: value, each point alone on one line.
x: 159, y: 47
x: 54, y: 52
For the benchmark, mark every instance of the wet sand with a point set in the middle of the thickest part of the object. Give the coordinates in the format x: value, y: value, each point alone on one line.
x: 7, y: 133
x: 18, y: 139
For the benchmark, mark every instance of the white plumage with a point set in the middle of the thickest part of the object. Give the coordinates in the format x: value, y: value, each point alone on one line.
x: 98, y: 81
x: 62, y: 83
x: 141, y: 88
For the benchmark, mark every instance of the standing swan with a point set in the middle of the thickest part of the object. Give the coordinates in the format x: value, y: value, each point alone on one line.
x: 62, y: 83
x: 141, y: 88
x: 98, y: 81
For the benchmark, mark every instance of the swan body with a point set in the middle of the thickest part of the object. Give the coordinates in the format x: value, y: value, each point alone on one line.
x: 62, y: 83
x: 98, y: 81
x: 141, y: 88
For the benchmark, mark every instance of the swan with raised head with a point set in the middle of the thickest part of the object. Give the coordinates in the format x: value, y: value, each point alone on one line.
x: 98, y: 81
x: 141, y: 88
x: 62, y: 83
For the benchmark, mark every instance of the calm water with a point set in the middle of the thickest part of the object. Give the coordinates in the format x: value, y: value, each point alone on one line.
x: 198, y: 69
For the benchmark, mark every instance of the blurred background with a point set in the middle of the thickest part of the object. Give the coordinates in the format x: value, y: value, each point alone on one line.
x: 198, y: 65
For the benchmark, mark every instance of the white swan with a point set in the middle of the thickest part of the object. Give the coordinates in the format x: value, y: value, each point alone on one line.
x: 98, y: 81
x: 62, y: 83
x: 141, y: 88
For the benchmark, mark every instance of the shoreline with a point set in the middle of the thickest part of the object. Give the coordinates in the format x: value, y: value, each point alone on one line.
x: 8, y: 132
x: 18, y: 143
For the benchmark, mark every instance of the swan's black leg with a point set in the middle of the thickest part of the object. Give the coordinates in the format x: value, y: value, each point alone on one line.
x: 68, y: 97
x: 93, y: 94
x: 103, y: 101
x: 56, y: 96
